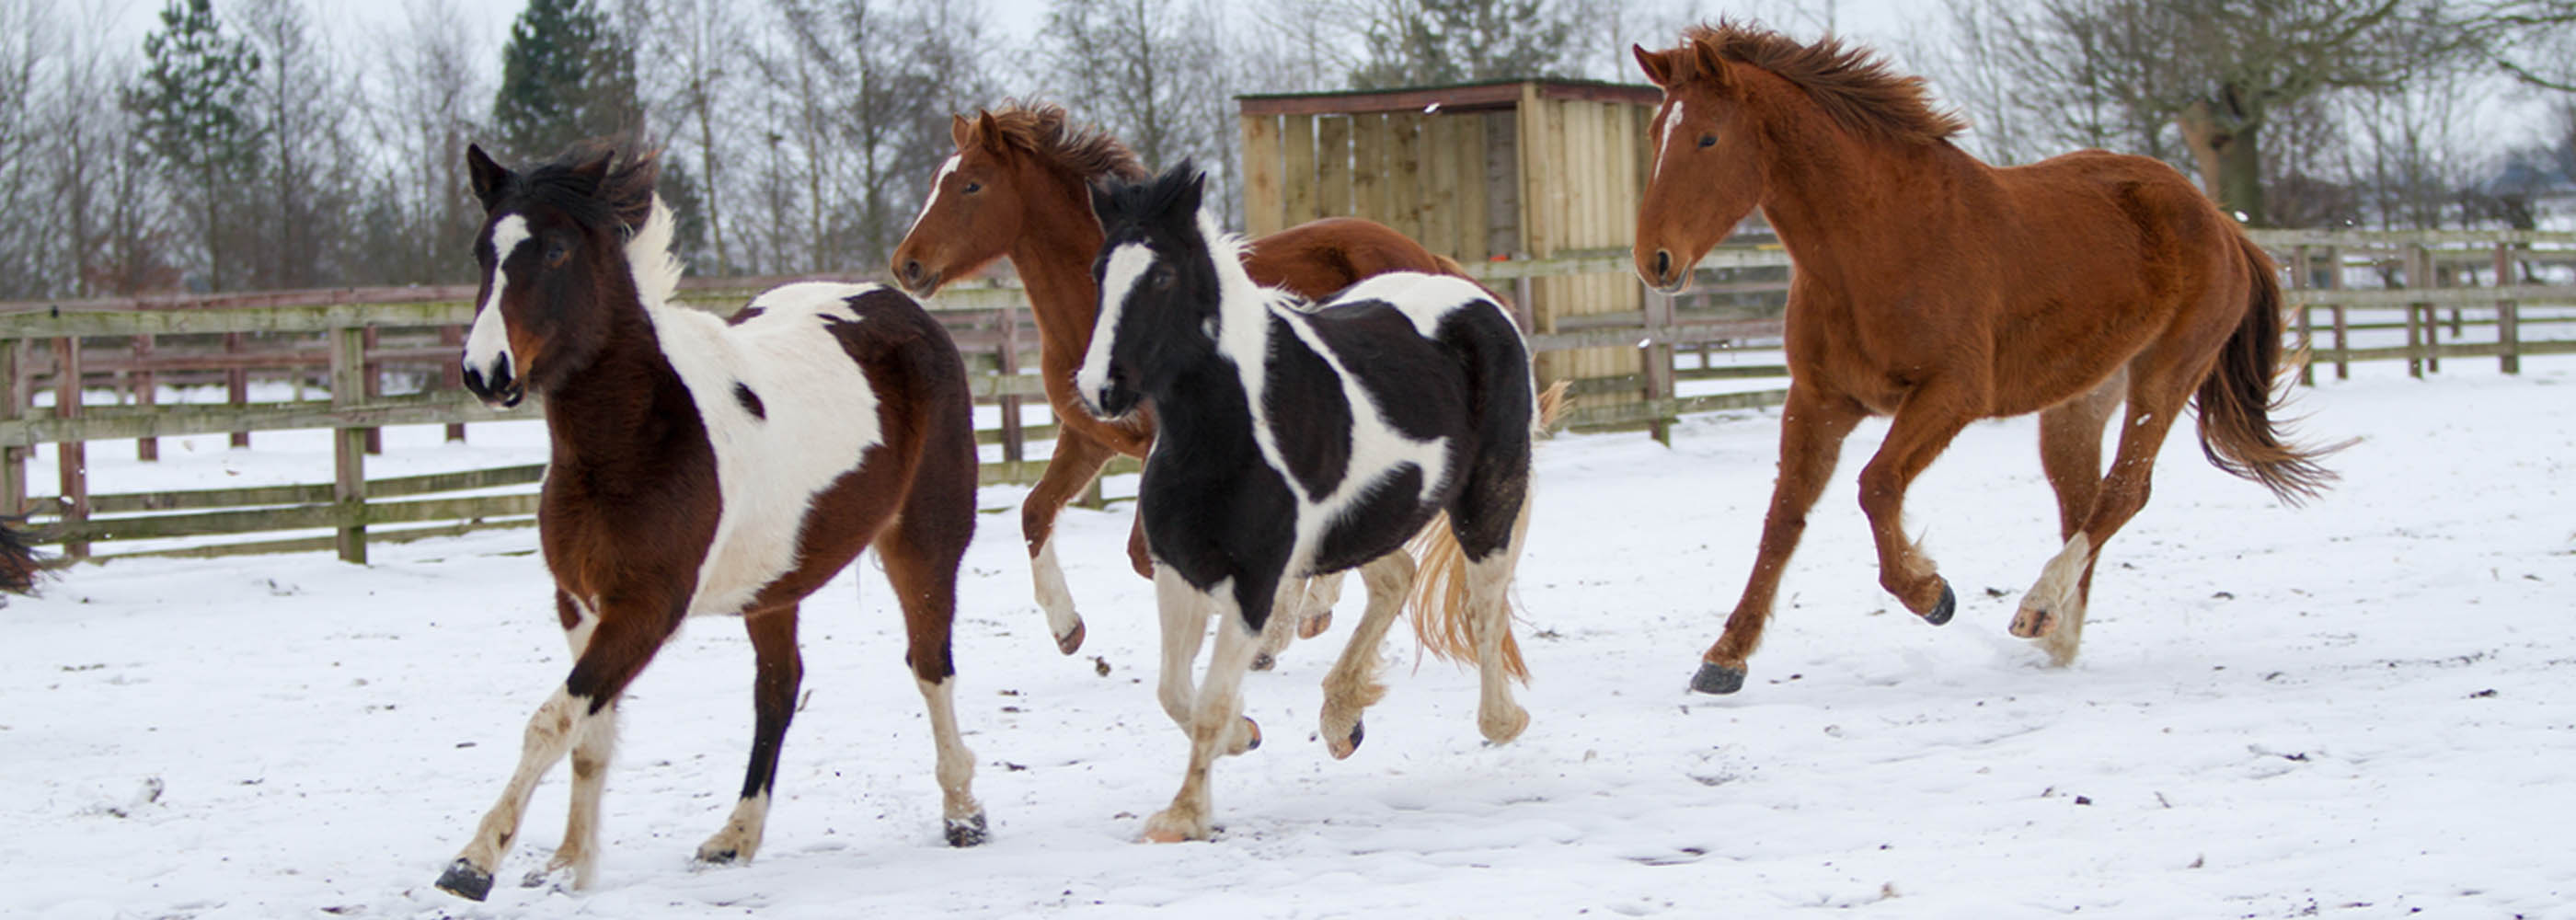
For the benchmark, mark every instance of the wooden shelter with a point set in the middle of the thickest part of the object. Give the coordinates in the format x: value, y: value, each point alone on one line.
x: 1537, y: 169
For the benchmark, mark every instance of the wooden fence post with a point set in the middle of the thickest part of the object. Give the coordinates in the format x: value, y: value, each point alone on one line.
x: 2302, y: 276
x: 237, y: 384
x: 349, y: 445
x: 451, y: 375
x: 2508, y: 331
x: 1014, y: 441
x: 370, y: 383
x: 13, y: 406
x: 146, y: 394
x: 1655, y: 360
x: 2415, y: 312
x: 2342, y: 334
x: 71, y: 457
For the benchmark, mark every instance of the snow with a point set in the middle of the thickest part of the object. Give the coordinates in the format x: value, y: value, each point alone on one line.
x: 2358, y: 708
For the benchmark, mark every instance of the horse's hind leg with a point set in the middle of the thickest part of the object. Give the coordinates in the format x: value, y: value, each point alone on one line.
x: 627, y: 635
x: 2070, y: 451
x: 921, y: 558
x: 1304, y: 612
x: 1076, y: 462
x: 2053, y: 610
x: 1489, y: 609
x: 1813, y: 425
x: 781, y: 669
x: 1351, y: 686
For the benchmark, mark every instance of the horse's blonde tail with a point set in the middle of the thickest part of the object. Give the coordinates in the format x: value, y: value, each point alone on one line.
x: 1438, y: 603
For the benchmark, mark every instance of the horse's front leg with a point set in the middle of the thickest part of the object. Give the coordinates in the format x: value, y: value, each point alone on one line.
x: 1216, y: 727
x: 1077, y: 460
x: 781, y: 670
x: 1932, y: 415
x: 1812, y: 427
x: 620, y: 645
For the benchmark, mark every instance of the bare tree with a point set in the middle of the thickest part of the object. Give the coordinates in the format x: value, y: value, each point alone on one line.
x: 298, y: 99
x: 694, y: 67
x: 426, y: 91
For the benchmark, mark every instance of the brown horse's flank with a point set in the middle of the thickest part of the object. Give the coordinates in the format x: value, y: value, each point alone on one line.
x: 1940, y: 290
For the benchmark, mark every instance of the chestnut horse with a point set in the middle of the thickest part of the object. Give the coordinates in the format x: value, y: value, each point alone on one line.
x: 1941, y: 290
x: 1018, y: 187
x: 702, y: 466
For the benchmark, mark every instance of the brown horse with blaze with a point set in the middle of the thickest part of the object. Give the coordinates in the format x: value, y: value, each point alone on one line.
x: 1939, y: 290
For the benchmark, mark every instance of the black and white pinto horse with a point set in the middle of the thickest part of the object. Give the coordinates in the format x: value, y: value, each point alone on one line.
x: 702, y: 466
x: 1300, y: 442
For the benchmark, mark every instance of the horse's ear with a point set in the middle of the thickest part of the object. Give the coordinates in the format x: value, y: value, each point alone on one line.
x: 1193, y: 191
x: 989, y: 131
x: 487, y: 177
x: 595, y: 169
x: 1709, y: 63
x: 960, y: 131
x: 1659, y: 69
x: 1104, y: 203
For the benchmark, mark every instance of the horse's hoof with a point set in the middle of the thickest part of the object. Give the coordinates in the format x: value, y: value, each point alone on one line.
x: 1315, y: 625
x: 1255, y: 728
x: 966, y: 832
x: 723, y: 857
x: 2032, y: 624
x: 1509, y: 726
x: 1343, y: 748
x: 1941, y: 611
x: 1263, y: 662
x: 1165, y: 835
x: 1717, y: 679
x: 1071, y: 642
x: 463, y: 880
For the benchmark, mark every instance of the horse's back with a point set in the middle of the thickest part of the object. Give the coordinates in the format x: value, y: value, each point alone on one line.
x: 1318, y: 258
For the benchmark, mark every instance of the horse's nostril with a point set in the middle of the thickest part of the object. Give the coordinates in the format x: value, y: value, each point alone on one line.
x: 1663, y: 264
x: 912, y: 271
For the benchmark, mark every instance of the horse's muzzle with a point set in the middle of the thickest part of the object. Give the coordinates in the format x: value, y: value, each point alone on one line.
x: 915, y: 279
x: 1663, y: 278
x: 501, y: 390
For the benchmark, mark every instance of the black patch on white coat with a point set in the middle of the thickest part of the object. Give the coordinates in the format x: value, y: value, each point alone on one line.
x: 750, y: 401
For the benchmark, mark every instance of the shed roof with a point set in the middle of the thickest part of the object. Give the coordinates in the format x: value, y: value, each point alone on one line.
x: 1490, y: 95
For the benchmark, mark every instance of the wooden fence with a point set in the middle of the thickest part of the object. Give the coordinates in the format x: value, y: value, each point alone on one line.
x: 349, y: 343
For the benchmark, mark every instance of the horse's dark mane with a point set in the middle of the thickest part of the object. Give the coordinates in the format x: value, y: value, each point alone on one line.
x: 1852, y: 84
x: 1083, y: 150
x: 1132, y: 199
x: 621, y: 199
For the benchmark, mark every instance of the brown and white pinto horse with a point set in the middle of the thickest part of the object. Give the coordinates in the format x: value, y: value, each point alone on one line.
x: 702, y: 466
x: 1941, y: 290
x: 1019, y: 187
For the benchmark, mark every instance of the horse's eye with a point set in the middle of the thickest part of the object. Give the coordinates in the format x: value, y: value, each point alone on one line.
x: 556, y: 253
x: 1708, y: 140
x: 973, y: 187
x: 1160, y: 277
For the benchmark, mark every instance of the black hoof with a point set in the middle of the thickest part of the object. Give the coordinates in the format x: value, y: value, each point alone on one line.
x: 1717, y: 679
x: 1359, y: 732
x: 1071, y: 642
x: 718, y: 858
x: 463, y: 880
x: 1256, y: 734
x: 1941, y: 612
x: 966, y: 833
x: 1263, y: 662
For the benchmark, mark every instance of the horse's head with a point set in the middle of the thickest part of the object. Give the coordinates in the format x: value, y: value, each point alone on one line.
x: 1160, y: 289
x: 973, y: 212
x: 1708, y: 167
x: 555, y: 265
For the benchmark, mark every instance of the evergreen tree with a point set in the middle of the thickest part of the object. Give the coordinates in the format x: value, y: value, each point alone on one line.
x: 566, y: 75
x: 193, y: 102
x: 1431, y: 42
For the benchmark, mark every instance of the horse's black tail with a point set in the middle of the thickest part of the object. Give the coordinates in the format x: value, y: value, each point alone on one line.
x: 2237, y: 431
x: 20, y: 566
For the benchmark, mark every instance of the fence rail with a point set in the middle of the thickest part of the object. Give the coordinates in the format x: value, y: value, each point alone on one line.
x: 346, y: 342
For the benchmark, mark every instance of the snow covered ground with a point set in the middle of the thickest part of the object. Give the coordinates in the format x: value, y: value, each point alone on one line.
x: 2365, y: 707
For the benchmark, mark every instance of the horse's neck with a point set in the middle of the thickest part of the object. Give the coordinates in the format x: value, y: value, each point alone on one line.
x: 1053, y: 254
x: 1836, y: 189
x: 625, y: 396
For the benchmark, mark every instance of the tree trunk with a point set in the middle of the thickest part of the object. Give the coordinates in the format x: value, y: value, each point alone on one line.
x: 2226, y: 145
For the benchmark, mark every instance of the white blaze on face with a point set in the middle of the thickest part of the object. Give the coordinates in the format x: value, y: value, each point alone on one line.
x: 1127, y: 265
x: 487, y: 347
x: 931, y: 199
x: 1664, y: 146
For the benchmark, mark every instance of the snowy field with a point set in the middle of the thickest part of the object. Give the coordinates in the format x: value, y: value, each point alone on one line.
x: 2366, y: 707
